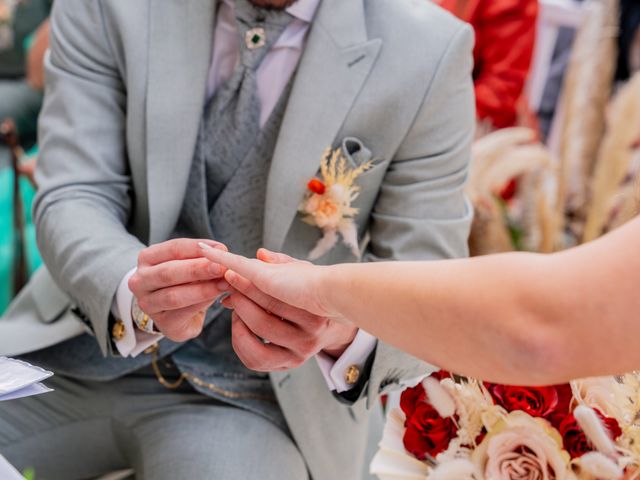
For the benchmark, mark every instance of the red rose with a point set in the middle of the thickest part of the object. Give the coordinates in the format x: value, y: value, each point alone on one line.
x: 441, y: 375
x: 410, y: 399
x: 574, y: 439
x: 565, y: 397
x: 535, y: 401
x: 414, y: 395
x: 427, y: 433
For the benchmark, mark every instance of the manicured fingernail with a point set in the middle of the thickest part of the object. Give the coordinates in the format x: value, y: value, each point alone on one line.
x: 204, y: 246
x: 231, y: 276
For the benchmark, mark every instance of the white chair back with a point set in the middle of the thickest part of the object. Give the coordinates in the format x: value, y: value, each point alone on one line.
x: 553, y: 15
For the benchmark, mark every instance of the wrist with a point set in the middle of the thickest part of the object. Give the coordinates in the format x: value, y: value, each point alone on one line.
x: 324, y: 285
x: 336, y: 349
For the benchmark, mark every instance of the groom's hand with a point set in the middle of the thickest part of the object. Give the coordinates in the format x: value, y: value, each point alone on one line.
x: 175, y: 285
x: 269, y: 335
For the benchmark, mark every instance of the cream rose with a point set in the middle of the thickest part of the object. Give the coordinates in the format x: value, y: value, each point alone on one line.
x: 522, y: 448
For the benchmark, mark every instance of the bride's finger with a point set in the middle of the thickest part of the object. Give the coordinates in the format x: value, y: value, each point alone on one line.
x: 276, y: 306
x: 242, y: 265
x: 273, y: 257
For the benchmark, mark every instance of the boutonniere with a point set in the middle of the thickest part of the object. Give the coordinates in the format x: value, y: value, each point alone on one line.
x: 328, y: 202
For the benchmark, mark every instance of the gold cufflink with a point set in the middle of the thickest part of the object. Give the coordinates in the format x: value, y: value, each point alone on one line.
x: 352, y: 375
x: 118, y: 330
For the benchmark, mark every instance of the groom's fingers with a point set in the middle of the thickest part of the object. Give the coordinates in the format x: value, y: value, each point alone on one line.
x: 257, y: 356
x: 177, y: 249
x: 263, y: 324
x: 182, y: 325
x: 174, y: 272
x: 181, y: 296
x: 242, y: 265
x: 270, y: 304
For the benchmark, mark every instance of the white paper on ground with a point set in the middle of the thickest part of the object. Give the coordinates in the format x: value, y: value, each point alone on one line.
x: 29, y: 391
x: 7, y: 472
x: 16, y: 375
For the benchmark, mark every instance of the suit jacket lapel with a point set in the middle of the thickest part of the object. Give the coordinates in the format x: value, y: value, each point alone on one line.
x: 180, y: 41
x: 337, y: 59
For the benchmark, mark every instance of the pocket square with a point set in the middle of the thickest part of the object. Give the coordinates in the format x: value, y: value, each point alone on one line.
x: 355, y: 151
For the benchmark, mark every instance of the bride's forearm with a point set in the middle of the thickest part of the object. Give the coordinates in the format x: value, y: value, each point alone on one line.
x: 511, y: 318
x: 468, y: 316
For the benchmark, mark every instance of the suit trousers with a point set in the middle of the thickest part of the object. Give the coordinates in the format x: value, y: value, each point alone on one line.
x: 85, y: 429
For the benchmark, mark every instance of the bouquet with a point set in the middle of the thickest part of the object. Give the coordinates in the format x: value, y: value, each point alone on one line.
x: 454, y: 428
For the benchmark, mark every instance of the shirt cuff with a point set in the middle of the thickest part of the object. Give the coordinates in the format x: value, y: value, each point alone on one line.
x: 335, y: 371
x: 134, y: 341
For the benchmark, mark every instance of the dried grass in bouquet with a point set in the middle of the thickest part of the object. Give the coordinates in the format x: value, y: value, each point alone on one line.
x: 586, y: 93
x: 614, y: 159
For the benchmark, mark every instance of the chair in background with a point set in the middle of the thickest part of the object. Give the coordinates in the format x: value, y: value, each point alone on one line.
x: 19, y: 255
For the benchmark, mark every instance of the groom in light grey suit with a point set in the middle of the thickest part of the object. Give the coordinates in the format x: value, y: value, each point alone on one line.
x: 169, y: 121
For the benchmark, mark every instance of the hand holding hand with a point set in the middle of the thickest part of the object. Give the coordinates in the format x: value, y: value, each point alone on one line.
x: 293, y: 282
x: 269, y: 334
x: 175, y: 285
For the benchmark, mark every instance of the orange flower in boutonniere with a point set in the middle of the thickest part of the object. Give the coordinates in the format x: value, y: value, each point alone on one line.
x: 327, y: 204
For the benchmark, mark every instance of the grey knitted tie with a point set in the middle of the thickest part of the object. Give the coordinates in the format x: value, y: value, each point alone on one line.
x: 231, y: 121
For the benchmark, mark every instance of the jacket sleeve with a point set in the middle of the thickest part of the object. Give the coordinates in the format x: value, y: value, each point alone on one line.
x: 85, y: 195
x: 421, y: 212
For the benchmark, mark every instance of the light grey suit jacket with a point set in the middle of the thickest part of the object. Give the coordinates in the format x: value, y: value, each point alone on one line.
x: 126, y: 86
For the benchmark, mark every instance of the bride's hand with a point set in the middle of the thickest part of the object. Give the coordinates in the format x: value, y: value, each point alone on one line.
x: 290, y: 281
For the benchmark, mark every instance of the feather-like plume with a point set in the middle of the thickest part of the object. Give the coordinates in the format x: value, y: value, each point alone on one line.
x: 497, y: 158
x: 458, y: 469
x: 594, y: 429
x: 548, y: 222
x: 439, y: 397
x: 392, y: 461
x: 487, y: 151
x: 326, y: 243
x: 349, y: 233
x: 600, y: 466
x: 516, y: 161
x: 586, y: 93
x: 615, y: 156
x: 489, y: 230
x: 624, y: 206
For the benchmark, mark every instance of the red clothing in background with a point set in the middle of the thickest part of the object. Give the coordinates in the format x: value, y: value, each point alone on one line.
x: 505, y: 38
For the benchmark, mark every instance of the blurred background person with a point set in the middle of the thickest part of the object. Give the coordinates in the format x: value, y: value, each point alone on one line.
x: 20, y: 98
x: 505, y: 38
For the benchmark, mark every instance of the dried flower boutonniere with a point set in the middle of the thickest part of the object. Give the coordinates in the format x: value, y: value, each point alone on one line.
x: 327, y: 204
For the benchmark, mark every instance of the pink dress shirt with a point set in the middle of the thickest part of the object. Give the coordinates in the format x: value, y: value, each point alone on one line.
x: 273, y: 74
